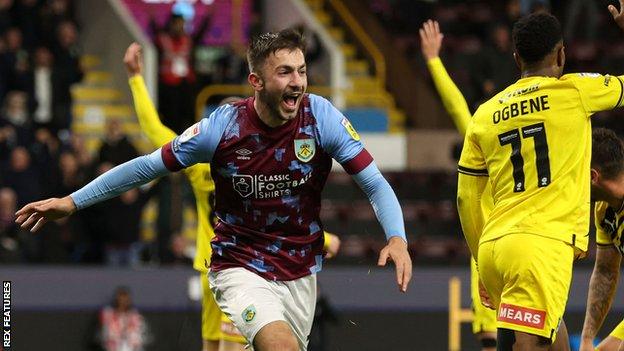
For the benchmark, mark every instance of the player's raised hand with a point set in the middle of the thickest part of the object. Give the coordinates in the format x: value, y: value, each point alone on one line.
x: 430, y: 39
x: 34, y: 215
x: 618, y: 16
x: 396, y: 251
x: 133, y: 59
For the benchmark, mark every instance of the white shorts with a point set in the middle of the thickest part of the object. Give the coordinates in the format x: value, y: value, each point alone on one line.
x: 252, y: 302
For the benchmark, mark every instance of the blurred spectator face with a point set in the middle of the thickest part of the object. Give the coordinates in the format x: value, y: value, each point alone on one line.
x: 123, y: 301
x: 113, y: 130
x: 8, y: 203
x: 13, y: 39
x: 20, y: 159
x: 43, y: 57
x: 68, y: 163
x: 513, y: 9
x: 501, y: 38
x: 5, y: 4
x: 130, y: 196
x: 15, y: 107
x: 59, y: 7
x: 178, y: 245
x: 43, y: 135
x: 67, y: 35
x: 104, y: 167
x: 176, y: 27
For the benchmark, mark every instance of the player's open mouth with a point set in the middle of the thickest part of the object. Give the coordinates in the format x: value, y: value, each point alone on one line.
x: 290, y: 101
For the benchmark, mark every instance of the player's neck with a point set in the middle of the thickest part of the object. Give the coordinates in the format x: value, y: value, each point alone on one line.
x: 540, y: 72
x: 266, y: 115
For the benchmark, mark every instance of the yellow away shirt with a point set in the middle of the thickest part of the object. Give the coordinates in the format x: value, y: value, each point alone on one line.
x: 533, y: 140
x: 609, y: 225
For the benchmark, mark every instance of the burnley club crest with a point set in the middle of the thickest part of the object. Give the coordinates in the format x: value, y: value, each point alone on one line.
x: 305, y: 149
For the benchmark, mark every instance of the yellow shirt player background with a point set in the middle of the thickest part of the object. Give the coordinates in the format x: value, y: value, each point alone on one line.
x: 484, y: 320
x: 532, y: 143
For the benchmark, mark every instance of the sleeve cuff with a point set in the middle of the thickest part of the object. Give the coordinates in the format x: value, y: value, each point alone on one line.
x: 169, y: 159
x: 472, y: 171
x: 358, y: 163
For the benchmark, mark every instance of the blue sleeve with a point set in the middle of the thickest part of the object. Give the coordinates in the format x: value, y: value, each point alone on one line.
x: 120, y: 179
x: 198, y: 143
x: 384, y: 201
x: 337, y: 135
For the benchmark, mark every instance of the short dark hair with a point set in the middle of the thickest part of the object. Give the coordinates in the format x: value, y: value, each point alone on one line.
x: 268, y: 43
x: 535, y: 36
x: 607, y: 153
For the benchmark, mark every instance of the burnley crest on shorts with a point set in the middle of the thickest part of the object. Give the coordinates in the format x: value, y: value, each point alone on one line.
x: 305, y: 149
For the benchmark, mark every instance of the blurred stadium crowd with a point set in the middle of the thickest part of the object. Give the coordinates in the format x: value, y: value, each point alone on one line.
x: 40, y: 156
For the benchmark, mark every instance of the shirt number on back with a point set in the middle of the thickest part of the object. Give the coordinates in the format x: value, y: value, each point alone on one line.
x: 538, y: 133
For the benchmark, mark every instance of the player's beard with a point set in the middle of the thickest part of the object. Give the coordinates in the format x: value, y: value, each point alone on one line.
x: 273, y: 100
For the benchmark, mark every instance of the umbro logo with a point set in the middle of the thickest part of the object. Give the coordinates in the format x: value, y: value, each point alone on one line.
x: 243, y: 154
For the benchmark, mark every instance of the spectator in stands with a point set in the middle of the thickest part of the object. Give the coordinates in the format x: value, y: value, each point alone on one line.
x: 123, y: 243
x: 85, y: 159
x: 16, y: 59
x: 53, y: 14
x: 45, y: 152
x: 26, y: 15
x: 9, y: 246
x: 42, y: 78
x: 67, y: 71
x: 495, y: 68
x: 22, y: 177
x: 122, y: 327
x: 116, y: 147
x: 5, y: 15
x: 176, y: 74
x: 15, y: 119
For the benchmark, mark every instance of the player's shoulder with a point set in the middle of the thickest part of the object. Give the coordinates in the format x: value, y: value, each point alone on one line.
x: 600, y: 207
x: 324, y: 112
x: 319, y: 105
x: 226, y: 111
x: 586, y: 77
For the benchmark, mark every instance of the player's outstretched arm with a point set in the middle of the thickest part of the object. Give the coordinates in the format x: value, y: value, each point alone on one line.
x: 469, y: 191
x: 602, y: 287
x: 157, y: 133
x: 452, y: 98
x: 110, y: 184
x: 388, y: 212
